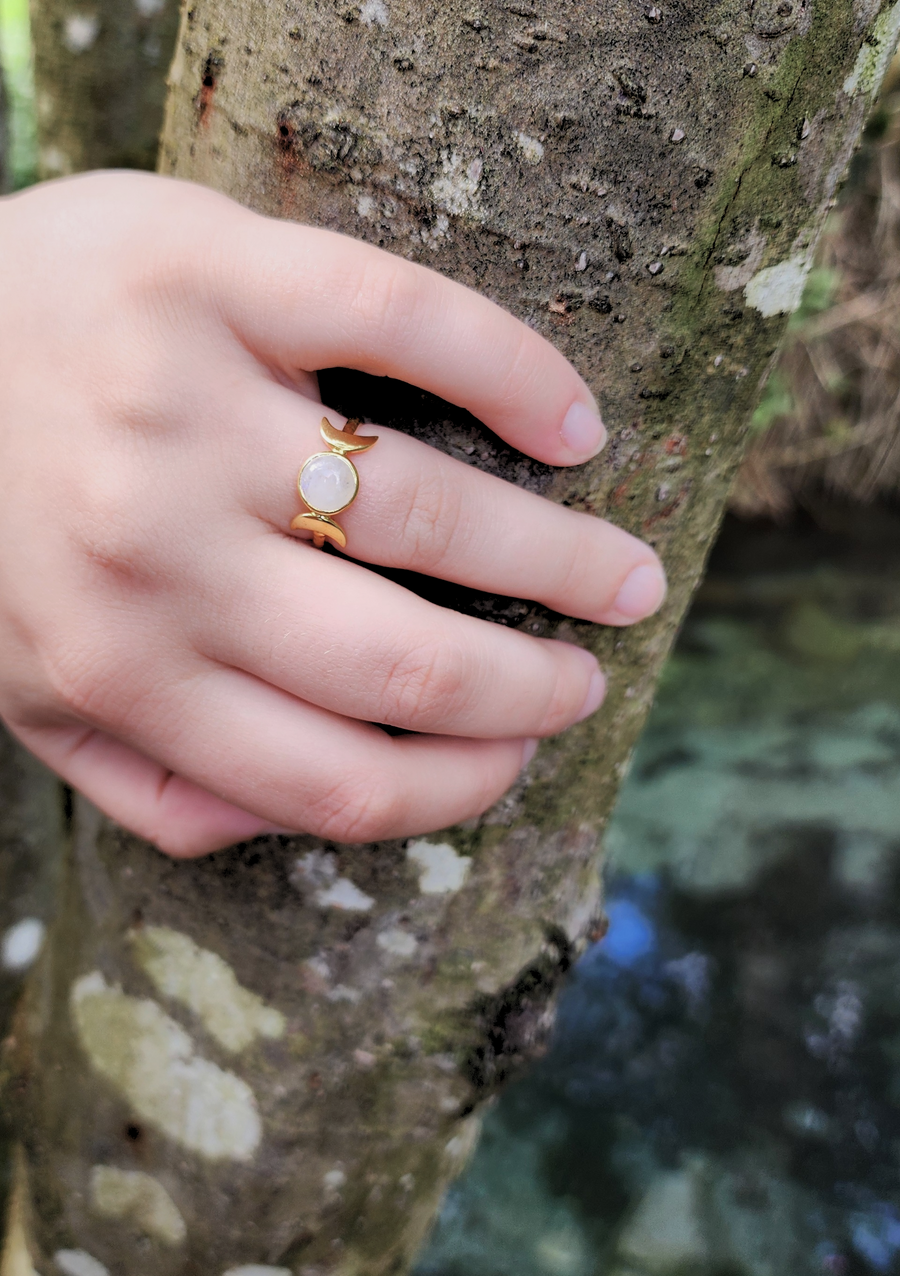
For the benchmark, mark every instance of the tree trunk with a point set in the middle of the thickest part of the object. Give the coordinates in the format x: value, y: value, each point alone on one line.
x: 276, y: 1055
x: 100, y: 80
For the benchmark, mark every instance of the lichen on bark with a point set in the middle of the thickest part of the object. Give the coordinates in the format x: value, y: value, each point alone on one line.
x: 622, y: 179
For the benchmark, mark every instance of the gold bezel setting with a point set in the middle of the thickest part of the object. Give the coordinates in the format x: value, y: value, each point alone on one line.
x: 340, y: 442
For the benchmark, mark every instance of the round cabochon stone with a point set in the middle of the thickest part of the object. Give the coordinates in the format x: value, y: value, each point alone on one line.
x: 328, y: 482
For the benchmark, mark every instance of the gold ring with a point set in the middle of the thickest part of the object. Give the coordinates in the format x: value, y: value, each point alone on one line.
x: 329, y: 481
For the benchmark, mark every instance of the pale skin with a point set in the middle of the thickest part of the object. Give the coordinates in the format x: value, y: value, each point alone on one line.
x: 169, y: 647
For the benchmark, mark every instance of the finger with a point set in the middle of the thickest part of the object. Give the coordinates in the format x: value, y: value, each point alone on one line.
x: 427, y: 512
x: 177, y: 816
x: 296, y: 766
x: 331, y: 633
x: 307, y: 297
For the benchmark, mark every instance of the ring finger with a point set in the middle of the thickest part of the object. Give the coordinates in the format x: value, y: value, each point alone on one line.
x: 425, y: 511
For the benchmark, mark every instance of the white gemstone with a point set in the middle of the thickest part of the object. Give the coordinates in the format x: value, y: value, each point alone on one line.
x: 328, y: 482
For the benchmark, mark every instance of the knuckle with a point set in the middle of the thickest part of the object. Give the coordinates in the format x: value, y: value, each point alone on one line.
x: 564, y: 698
x: 165, y: 286
x: 521, y: 367
x: 575, y: 566
x: 424, y: 686
x: 432, y: 517
x: 107, y: 680
x: 108, y: 535
x: 358, y: 808
x: 384, y: 299
x: 144, y: 391
x: 83, y: 682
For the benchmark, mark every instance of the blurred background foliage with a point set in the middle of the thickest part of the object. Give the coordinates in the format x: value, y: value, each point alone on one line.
x: 15, y: 57
x: 828, y: 420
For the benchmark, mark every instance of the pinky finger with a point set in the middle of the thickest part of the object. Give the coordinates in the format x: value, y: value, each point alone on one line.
x: 181, y: 818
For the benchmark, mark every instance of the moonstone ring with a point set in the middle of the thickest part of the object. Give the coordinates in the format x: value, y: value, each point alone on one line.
x: 328, y: 482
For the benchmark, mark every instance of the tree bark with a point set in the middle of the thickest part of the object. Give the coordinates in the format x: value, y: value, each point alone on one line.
x: 100, y: 82
x: 276, y: 1055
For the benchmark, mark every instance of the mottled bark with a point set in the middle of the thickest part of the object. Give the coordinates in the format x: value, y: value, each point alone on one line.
x: 99, y: 69
x: 276, y: 1055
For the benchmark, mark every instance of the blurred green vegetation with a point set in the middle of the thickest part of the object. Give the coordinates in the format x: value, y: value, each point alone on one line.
x: 15, y: 57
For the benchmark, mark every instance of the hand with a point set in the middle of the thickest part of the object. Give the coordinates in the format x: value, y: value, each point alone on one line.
x: 168, y: 648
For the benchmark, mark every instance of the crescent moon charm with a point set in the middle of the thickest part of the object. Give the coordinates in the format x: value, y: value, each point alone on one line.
x: 344, y: 441
x: 328, y: 483
x: 321, y: 526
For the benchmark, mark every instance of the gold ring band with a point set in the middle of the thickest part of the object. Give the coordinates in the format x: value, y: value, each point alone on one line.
x: 328, y: 482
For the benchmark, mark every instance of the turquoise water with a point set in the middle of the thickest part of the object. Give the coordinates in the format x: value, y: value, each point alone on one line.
x: 722, y: 1097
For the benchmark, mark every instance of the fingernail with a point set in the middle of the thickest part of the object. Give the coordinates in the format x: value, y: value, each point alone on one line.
x: 528, y: 751
x: 642, y: 592
x: 582, y: 431
x: 594, y: 697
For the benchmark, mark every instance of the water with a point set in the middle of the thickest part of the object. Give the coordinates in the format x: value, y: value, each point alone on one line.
x: 722, y: 1097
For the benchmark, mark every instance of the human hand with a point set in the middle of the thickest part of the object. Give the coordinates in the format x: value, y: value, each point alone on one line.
x: 197, y: 672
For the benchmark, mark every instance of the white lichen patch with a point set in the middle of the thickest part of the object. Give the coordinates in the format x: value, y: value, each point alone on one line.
x: 80, y: 30
x: 314, y: 869
x: 344, y: 896
x: 340, y: 992
x: 22, y: 943
x: 316, y: 975
x: 777, y: 290
x: 77, y: 1262
x: 875, y: 55
x: 133, y: 1197
x: 373, y: 13
x: 365, y: 205
x: 530, y: 147
x: 15, y: 1254
x: 150, y: 1060
x: 456, y: 189
x: 207, y: 985
x: 399, y: 943
x: 441, y: 869
x: 751, y: 249
x: 316, y: 873
x: 334, y: 1180
x: 439, y: 230
x: 464, y: 1142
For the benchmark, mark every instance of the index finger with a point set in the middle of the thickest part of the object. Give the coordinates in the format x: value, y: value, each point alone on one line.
x: 299, y: 296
